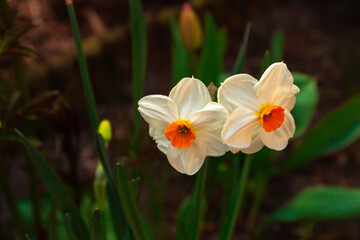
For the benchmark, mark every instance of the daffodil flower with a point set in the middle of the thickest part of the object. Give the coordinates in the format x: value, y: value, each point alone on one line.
x: 186, y: 125
x: 259, y: 110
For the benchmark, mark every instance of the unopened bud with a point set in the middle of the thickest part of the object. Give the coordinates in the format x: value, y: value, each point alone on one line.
x: 100, y: 187
x: 190, y: 28
x: 105, y: 131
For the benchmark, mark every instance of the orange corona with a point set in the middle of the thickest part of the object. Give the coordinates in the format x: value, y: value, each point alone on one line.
x: 180, y: 134
x: 272, y: 117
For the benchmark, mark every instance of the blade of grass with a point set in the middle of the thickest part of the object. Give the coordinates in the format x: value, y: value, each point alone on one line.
x: 180, y: 56
x: 239, y: 64
x: 235, y: 204
x: 138, y: 46
x: 128, y: 202
x: 212, y: 53
x: 55, y: 188
x: 85, y: 77
x: 277, y: 47
x: 265, y: 62
x: 96, y: 228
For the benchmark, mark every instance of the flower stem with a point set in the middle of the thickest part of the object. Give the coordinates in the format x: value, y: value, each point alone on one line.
x: 197, y: 200
x: 236, y: 202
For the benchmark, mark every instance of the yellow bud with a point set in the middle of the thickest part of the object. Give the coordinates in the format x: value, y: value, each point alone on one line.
x: 100, y: 187
x: 105, y: 130
x: 190, y: 28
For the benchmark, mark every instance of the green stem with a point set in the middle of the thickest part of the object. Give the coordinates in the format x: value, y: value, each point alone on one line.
x: 308, y: 231
x: 236, y: 202
x: 259, y: 194
x: 197, y: 199
x: 85, y: 77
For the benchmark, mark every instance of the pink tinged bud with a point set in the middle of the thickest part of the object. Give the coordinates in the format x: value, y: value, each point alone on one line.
x: 190, y: 28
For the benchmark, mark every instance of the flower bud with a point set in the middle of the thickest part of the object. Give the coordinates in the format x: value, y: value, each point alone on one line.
x: 100, y: 187
x: 190, y: 28
x: 105, y: 131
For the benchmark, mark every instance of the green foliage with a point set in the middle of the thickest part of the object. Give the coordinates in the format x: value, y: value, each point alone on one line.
x: 277, y: 47
x: 139, y: 50
x: 265, y: 62
x: 336, y: 130
x: 306, y: 101
x: 239, y: 64
x: 180, y: 56
x: 320, y: 203
x: 56, y: 188
x: 212, y: 53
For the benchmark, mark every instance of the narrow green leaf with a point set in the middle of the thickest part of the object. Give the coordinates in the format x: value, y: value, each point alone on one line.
x: 239, y: 64
x: 306, y: 101
x: 68, y: 227
x: 128, y: 202
x: 85, y: 77
x: 139, y: 51
x: 96, y: 228
x: 55, y: 188
x: 277, y: 47
x: 265, y: 62
x: 27, y: 237
x: 320, y: 203
x: 335, y: 131
x: 180, y: 56
x: 117, y: 213
x: 212, y: 54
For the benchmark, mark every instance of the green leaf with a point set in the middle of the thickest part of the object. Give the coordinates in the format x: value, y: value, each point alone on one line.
x: 12, y: 36
x: 306, y: 101
x: 320, y: 203
x: 128, y: 202
x: 96, y: 228
x: 55, y: 188
x: 335, y: 131
x: 85, y: 77
x: 180, y: 56
x: 239, y: 64
x: 265, y: 62
x: 138, y: 44
x: 212, y: 54
x: 277, y: 47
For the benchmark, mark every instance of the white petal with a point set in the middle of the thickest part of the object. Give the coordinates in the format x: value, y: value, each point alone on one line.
x: 238, y: 90
x: 212, y: 115
x: 285, y: 99
x: 234, y: 150
x: 187, y: 160
x: 159, y: 137
x: 158, y: 110
x: 212, y: 142
x: 208, y: 123
x: 278, y: 139
x: 256, y: 143
x: 275, y: 76
x: 238, y: 128
x: 190, y: 95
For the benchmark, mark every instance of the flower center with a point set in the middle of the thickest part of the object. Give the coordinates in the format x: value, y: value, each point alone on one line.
x: 271, y: 117
x: 180, y: 133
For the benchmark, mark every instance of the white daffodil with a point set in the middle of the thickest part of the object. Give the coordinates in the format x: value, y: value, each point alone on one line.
x: 186, y: 125
x: 259, y: 110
